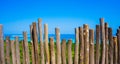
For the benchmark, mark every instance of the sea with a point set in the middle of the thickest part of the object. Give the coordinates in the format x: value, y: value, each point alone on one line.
x: 62, y: 36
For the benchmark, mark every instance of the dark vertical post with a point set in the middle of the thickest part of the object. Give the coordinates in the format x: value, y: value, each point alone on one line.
x: 91, y: 40
x: 86, y: 44
x: 63, y: 51
x: 17, y: 51
x: 26, y: 49
x: 70, y: 52
x: 35, y: 43
x: 118, y: 40
x: 111, y: 45
x: 115, y: 50
x: 8, y: 50
x: 81, y: 39
x: 58, y: 50
x: 2, y: 59
x: 97, y: 54
x: 46, y: 44
x: 106, y: 43
x: 76, y: 45
x: 102, y: 40
x: 52, y: 52
x: 41, y: 41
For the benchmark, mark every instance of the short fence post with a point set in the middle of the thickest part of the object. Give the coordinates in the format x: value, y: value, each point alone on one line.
x: 63, y: 50
x: 58, y: 49
x: 52, y: 52
x: 86, y: 44
x: 70, y: 52
x: 81, y: 39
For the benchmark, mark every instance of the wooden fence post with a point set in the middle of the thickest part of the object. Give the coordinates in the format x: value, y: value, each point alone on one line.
x: 58, y: 49
x: 35, y: 43
x: 52, y: 52
x: 23, y: 52
x: 13, y: 52
x: 86, y: 43
x: 102, y: 40
x: 46, y: 44
x: 63, y: 49
x: 26, y: 49
x: 17, y: 51
x: 97, y: 54
x: 70, y: 52
x: 118, y: 40
x: 76, y: 46
x: 2, y: 59
x: 91, y: 40
x: 111, y: 45
x: 31, y: 37
x: 8, y: 50
x: 106, y: 43
x: 81, y: 39
x: 115, y: 50
x: 41, y: 41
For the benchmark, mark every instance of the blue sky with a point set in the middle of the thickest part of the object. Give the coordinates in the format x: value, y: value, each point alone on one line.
x: 16, y: 16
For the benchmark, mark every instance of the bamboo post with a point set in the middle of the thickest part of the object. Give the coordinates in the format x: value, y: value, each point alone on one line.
x: 8, y: 50
x: 13, y: 52
x: 97, y: 54
x: 115, y: 50
x: 70, y: 52
x: 2, y: 59
x: 91, y: 40
x: 76, y: 45
x: 35, y: 43
x: 52, y: 52
x: 58, y: 49
x: 17, y: 51
x: 118, y: 40
x: 41, y: 41
x: 111, y: 45
x: 46, y: 44
x: 106, y: 43
x: 86, y: 43
x: 26, y: 49
x: 102, y: 40
x: 31, y: 37
x: 63, y: 49
x: 81, y: 39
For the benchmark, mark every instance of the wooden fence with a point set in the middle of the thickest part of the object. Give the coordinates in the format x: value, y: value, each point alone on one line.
x: 91, y: 46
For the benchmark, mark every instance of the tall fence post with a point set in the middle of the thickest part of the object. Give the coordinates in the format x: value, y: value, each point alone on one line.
x: 118, y: 40
x: 58, y: 49
x: 13, y: 52
x: 2, y: 59
x: 52, y: 52
x: 81, y: 47
x: 76, y: 45
x: 26, y: 49
x: 41, y: 41
x: 46, y: 44
x: 106, y: 43
x: 102, y: 40
x: 31, y: 37
x: 91, y: 40
x: 7, y: 50
x: 115, y: 50
x: 97, y: 54
x: 63, y: 49
x: 111, y: 45
x: 86, y: 44
x: 17, y: 51
x: 70, y: 52
x: 35, y: 43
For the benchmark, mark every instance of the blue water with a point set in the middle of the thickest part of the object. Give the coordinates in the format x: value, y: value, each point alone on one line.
x: 62, y: 36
